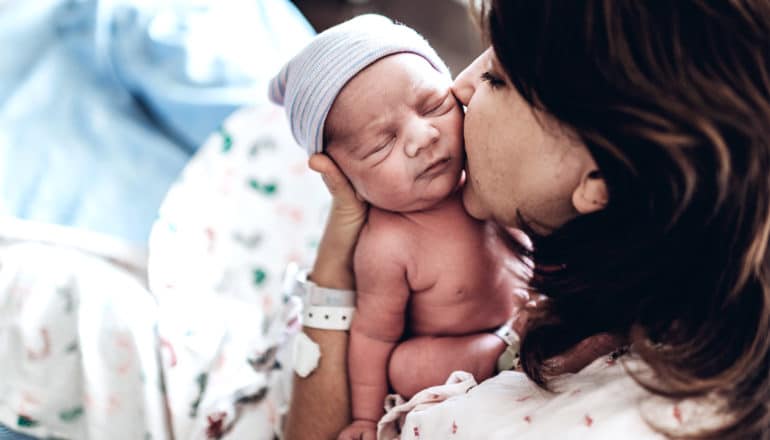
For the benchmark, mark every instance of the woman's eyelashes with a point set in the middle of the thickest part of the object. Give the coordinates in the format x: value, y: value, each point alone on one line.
x: 494, y: 81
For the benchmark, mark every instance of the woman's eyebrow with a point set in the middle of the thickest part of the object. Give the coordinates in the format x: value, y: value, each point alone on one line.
x: 491, y: 63
x: 495, y: 66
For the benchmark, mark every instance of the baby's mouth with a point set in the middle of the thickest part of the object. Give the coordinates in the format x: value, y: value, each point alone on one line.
x: 435, y: 168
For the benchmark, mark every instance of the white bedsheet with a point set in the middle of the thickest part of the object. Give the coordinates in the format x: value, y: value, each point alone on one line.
x: 78, y: 341
x: 86, y: 351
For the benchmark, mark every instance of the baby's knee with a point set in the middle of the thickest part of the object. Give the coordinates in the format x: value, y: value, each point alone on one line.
x: 409, y: 369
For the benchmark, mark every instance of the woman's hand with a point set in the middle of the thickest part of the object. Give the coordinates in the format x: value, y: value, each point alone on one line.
x: 334, y: 263
x: 320, y: 403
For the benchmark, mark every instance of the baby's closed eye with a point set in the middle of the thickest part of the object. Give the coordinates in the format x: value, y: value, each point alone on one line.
x: 439, y: 106
x: 380, y: 147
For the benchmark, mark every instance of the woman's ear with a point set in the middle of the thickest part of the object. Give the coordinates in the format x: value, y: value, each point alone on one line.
x: 591, y: 194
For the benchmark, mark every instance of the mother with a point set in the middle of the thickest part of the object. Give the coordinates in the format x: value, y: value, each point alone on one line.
x: 631, y: 141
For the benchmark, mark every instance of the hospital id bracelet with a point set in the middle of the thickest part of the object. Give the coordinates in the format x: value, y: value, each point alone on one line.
x: 510, y: 358
x: 327, y: 318
x: 322, y: 307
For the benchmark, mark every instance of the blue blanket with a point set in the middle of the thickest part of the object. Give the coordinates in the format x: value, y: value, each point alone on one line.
x: 102, y: 103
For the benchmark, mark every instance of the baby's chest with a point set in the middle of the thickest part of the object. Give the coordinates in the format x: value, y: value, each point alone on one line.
x: 455, y: 291
x: 450, y: 265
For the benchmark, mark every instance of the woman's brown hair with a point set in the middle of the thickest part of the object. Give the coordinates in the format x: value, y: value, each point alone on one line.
x: 672, y: 99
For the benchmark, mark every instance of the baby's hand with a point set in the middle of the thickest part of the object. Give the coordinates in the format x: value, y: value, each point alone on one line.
x: 359, y: 430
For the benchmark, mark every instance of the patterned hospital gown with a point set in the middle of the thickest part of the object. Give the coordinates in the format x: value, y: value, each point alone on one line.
x: 600, y: 402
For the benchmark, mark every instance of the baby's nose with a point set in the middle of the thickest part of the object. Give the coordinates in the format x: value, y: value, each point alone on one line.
x: 423, y: 135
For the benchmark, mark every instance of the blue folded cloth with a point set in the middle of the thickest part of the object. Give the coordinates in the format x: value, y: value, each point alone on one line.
x: 102, y: 104
x: 7, y: 434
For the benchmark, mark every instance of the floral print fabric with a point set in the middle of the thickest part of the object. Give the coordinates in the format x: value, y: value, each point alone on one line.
x: 245, y: 207
x: 86, y: 351
x: 77, y: 345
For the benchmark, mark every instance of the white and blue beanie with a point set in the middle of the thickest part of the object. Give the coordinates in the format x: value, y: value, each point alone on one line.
x: 310, y: 82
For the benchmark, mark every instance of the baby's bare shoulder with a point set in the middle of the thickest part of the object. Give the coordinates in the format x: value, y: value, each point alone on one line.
x: 386, y: 225
x: 385, y: 234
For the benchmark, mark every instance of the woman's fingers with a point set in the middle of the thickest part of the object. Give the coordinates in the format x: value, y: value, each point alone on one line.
x: 348, y: 209
x: 334, y: 262
x: 335, y: 181
x: 520, y: 236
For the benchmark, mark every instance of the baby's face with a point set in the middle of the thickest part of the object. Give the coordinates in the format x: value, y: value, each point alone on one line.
x: 395, y: 130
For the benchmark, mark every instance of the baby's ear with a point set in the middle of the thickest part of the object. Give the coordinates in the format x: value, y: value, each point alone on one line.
x: 591, y: 194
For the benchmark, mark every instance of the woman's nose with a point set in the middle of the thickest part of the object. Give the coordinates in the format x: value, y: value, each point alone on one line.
x: 423, y: 135
x: 466, y: 82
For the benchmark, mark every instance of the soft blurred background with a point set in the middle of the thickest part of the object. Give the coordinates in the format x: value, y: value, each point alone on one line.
x: 444, y: 23
x: 122, y: 117
x: 103, y: 102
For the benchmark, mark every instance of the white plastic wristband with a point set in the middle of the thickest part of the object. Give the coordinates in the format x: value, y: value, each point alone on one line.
x: 305, y: 355
x: 508, y: 335
x: 327, y: 318
x: 315, y: 295
x: 322, y: 307
x: 510, y: 358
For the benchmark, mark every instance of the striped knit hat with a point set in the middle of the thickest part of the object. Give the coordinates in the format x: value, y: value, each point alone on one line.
x: 310, y: 82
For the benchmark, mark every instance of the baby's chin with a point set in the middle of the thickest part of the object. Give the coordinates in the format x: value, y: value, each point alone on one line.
x: 434, y: 196
x: 420, y: 196
x: 416, y: 200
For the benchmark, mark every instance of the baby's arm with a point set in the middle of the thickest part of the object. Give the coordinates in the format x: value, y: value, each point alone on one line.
x: 381, y: 301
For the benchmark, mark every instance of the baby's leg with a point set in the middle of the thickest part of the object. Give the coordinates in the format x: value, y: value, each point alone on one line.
x: 425, y: 361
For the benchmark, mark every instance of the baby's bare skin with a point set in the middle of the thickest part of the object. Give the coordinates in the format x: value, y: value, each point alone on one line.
x: 423, y: 266
x: 457, y: 286
x: 435, y: 272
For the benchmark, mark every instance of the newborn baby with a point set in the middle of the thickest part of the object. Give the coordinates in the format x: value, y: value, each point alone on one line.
x: 376, y: 98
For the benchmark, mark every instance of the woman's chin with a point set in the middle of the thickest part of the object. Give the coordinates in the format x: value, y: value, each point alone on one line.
x: 472, y: 205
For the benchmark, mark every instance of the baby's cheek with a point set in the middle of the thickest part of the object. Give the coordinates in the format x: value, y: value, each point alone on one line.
x: 393, y: 178
x: 454, y: 127
x: 361, y: 187
x: 381, y: 187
